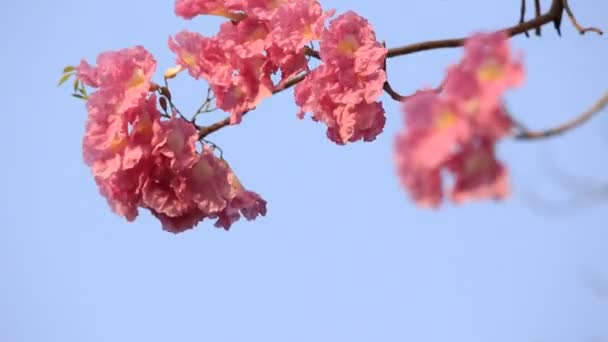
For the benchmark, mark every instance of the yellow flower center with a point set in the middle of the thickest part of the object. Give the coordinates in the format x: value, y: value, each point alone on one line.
x: 490, y: 71
x: 188, y: 58
x: 237, y: 92
x: 259, y: 33
x: 348, y: 45
x: 118, y: 143
x: 276, y: 3
x: 137, y: 79
x: 307, y: 33
x: 445, y: 119
x: 143, y: 126
x: 471, y: 106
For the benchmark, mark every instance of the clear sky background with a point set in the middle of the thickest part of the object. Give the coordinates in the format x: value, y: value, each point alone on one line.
x: 342, y: 255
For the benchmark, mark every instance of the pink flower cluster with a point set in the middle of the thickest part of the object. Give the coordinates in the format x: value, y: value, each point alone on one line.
x: 343, y: 91
x: 456, y: 129
x: 141, y: 161
x: 265, y: 37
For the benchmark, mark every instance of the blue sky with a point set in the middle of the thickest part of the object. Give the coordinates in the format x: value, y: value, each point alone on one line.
x: 342, y: 255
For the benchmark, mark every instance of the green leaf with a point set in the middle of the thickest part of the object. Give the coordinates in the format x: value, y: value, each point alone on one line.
x: 64, y: 78
x: 78, y: 96
x: 82, y: 90
x: 68, y: 68
x: 76, y: 84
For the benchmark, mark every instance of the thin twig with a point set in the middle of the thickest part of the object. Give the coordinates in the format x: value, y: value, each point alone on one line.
x: 557, y: 7
x: 387, y: 86
x: 205, y: 131
x: 214, y: 146
x: 309, y: 51
x: 576, y: 122
x: 579, y: 28
x: 457, y: 42
x: 168, y: 96
x: 522, y: 15
x: 537, y: 13
x: 554, y: 15
x: 392, y: 93
x: 204, y: 108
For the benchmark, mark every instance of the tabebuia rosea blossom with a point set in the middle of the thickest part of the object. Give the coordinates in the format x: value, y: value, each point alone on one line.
x: 343, y: 91
x: 141, y: 160
x: 455, y: 130
x: 189, y: 9
x: 268, y: 38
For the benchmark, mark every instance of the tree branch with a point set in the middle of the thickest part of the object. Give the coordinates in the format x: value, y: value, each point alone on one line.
x: 554, y: 15
x: 544, y: 19
x: 537, y: 13
x: 579, y: 28
x: 206, y: 130
x: 565, y: 127
x: 522, y: 15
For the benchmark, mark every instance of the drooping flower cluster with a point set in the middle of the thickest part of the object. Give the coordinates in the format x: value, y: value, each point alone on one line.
x: 343, y: 91
x: 141, y: 161
x: 456, y: 130
x: 265, y: 37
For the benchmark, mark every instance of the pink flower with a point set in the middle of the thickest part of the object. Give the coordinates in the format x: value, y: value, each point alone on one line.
x: 203, y: 57
x: 238, y: 82
x: 122, y: 76
x: 117, y: 148
x: 351, y: 39
x: 290, y: 63
x: 457, y: 129
x: 343, y: 91
x: 489, y: 67
x: 182, y: 223
x: 208, y: 183
x: 184, y: 187
x: 189, y: 9
x: 118, y: 129
x: 141, y: 161
x: 246, y: 204
x: 241, y: 202
x: 262, y: 9
x: 293, y: 24
x: 87, y: 74
x: 248, y: 38
x: 105, y: 135
x: 477, y: 173
x: 363, y: 121
x: 350, y: 49
x: 213, y: 191
x: 434, y: 126
x: 489, y: 55
x: 175, y: 140
x: 165, y: 191
x: 298, y: 22
x: 424, y: 185
x: 122, y: 191
x: 246, y: 89
x: 240, y: 61
x: 117, y: 141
